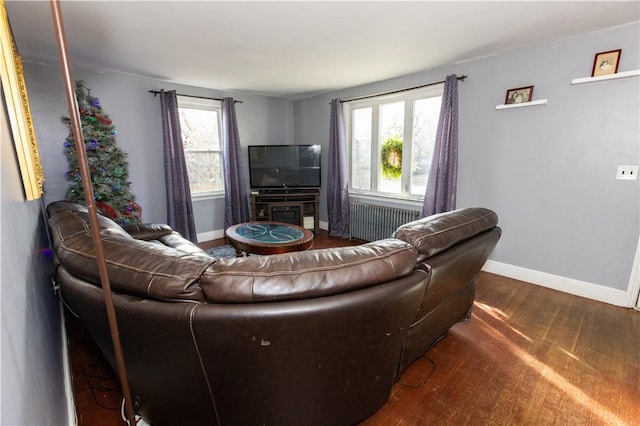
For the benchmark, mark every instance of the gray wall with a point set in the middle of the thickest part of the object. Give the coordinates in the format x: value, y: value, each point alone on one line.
x: 33, y: 391
x: 136, y: 114
x: 548, y: 171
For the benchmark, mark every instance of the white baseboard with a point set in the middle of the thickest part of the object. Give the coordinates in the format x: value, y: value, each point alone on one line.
x: 633, y: 292
x: 211, y: 235
x: 66, y: 370
x: 555, y: 282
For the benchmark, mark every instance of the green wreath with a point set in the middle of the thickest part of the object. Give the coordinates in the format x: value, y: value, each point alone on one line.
x: 392, y: 157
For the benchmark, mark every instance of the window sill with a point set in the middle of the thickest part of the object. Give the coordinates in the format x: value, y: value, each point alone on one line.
x: 207, y: 196
x: 406, y: 201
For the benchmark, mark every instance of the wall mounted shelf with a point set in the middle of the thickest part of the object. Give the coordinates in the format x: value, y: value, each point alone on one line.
x: 523, y: 104
x: 616, y: 76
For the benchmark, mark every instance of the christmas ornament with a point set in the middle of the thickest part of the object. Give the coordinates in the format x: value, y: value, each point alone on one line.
x: 106, y: 209
x: 102, y: 119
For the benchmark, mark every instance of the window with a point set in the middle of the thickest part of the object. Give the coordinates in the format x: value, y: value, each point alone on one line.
x: 200, y: 126
x: 391, y: 140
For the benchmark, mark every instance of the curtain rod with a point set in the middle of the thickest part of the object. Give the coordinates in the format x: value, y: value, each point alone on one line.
x: 461, y: 78
x: 157, y: 92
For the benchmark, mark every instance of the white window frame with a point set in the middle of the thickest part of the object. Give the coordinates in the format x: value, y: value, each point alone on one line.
x: 374, y: 103
x: 211, y: 105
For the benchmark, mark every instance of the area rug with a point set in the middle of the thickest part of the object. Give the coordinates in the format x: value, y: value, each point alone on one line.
x: 221, y: 251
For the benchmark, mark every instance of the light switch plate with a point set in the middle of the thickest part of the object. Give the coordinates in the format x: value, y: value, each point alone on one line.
x: 627, y: 173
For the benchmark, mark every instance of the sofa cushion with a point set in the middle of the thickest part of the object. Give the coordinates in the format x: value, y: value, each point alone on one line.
x: 136, y: 267
x: 307, y: 274
x: 436, y: 233
x: 148, y: 231
x: 178, y: 242
x: 63, y: 205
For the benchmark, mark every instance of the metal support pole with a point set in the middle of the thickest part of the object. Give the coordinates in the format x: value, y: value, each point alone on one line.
x: 88, y: 195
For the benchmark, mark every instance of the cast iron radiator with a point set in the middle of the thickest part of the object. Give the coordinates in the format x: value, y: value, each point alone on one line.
x: 370, y: 222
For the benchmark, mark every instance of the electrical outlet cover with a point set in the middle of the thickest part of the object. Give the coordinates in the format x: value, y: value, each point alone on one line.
x: 627, y: 173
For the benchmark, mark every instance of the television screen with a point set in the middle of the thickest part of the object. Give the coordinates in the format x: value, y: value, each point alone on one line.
x: 284, y: 166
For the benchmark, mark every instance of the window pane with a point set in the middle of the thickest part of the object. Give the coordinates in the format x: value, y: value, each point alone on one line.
x: 425, y: 123
x: 386, y: 157
x: 204, y: 169
x: 201, y: 141
x: 199, y: 129
x: 361, y: 149
x: 391, y: 129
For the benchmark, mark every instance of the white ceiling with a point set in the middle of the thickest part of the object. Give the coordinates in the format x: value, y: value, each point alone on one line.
x: 296, y: 48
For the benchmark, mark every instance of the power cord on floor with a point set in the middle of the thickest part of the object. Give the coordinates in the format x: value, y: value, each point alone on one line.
x: 96, y: 382
x: 424, y: 380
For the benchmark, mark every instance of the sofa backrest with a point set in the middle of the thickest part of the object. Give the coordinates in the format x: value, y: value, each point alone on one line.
x: 172, y: 268
x: 307, y: 274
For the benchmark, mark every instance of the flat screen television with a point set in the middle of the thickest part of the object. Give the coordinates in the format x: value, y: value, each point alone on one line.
x: 284, y: 166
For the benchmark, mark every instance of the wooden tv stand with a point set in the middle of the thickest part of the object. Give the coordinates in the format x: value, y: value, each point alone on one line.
x: 299, y: 207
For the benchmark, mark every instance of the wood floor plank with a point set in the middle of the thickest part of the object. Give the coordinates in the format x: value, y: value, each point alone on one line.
x: 529, y: 356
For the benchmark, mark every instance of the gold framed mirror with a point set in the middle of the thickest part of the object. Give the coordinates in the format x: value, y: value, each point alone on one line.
x: 17, y: 101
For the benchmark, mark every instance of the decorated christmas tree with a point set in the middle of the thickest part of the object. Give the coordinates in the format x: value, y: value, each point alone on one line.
x: 107, y: 162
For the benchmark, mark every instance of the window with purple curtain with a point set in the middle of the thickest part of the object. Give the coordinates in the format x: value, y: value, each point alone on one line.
x: 179, y: 207
x: 441, y: 190
x: 235, y: 194
x: 337, y: 174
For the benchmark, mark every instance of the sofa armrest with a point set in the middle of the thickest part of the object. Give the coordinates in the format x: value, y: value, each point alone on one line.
x: 434, y: 234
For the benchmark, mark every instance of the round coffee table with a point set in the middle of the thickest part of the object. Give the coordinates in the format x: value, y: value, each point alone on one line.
x: 268, y: 237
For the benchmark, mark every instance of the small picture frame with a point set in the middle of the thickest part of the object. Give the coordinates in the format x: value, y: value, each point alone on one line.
x: 519, y: 95
x: 606, y: 63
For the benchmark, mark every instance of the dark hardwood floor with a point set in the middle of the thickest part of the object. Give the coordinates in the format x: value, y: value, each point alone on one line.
x: 529, y: 356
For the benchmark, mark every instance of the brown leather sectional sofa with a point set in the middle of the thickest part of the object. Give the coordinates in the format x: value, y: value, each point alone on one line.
x: 313, y: 337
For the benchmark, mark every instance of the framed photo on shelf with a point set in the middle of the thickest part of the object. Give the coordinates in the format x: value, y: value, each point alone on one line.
x: 606, y: 63
x: 519, y: 95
